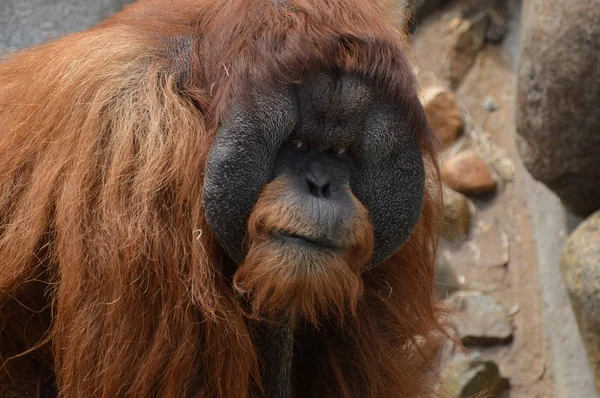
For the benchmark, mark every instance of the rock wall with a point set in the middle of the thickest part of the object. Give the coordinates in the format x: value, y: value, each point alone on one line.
x: 558, y: 99
x: 24, y: 23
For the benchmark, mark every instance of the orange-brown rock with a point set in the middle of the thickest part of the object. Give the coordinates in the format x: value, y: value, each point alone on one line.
x: 467, y: 173
x: 457, y: 215
x: 465, y: 43
x: 443, y: 113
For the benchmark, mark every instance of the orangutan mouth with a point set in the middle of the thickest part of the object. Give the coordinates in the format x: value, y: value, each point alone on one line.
x: 291, y: 237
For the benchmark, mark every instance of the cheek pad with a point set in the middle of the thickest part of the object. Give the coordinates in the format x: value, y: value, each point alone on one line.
x: 390, y: 181
x: 240, y: 162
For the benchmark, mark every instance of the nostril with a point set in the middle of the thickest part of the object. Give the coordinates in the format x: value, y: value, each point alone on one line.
x: 319, y: 189
x: 326, y: 190
x: 313, y: 187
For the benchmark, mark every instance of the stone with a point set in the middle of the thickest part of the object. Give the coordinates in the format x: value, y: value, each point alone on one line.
x: 446, y: 281
x: 482, y: 321
x: 25, y: 23
x: 497, y: 27
x: 490, y: 105
x: 443, y: 113
x: 457, y: 215
x: 416, y: 11
x: 468, y: 376
x: 465, y: 43
x: 558, y: 98
x: 487, y: 248
x: 469, y: 174
x: 580, y: 268
x: 420, y: 9
x: 492, y: 243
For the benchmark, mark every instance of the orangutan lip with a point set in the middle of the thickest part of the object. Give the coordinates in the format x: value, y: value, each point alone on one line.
x: 295, y: 238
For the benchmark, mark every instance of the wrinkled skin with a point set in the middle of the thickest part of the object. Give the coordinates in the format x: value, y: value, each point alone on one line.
x: 300, y: 131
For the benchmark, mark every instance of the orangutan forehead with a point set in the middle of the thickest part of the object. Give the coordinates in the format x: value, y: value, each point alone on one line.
x: 335, y: 96
x: 333, y: 108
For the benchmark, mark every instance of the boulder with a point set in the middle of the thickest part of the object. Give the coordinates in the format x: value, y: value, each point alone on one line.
x: 457, y: 215
x: 446, y: 281
x: 422, y: 8
x: 482, y: 321
x: 558, y: 98
x: 468, y: 173
x: 465, y: 43
x: 415, y: 11
x: 487, y: 248
x: 443, y: 113
x: 468, y: 376
x: 580, y: 267
x: 498, y: 21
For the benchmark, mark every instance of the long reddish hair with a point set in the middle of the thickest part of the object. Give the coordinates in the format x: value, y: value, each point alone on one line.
x: 111, y: 283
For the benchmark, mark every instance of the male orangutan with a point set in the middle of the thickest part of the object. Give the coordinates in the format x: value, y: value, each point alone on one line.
x: 218, y: 198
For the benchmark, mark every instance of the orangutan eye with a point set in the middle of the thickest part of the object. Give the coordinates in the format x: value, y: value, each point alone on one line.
x: 299, y: 145
x: 338, y: 151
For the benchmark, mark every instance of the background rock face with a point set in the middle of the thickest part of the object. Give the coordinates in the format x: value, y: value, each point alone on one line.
x: 580, y: 265
x: 457, y: 215
x: 467, y: 376
x: 557, y: 114
x: 482, y: 321
x: 422, y: 8
x: 469, y: 174
x: 24, y: 23
x: 443, y: 113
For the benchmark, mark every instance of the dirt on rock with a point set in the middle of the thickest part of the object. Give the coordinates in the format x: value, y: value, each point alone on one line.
x: 501, y: 228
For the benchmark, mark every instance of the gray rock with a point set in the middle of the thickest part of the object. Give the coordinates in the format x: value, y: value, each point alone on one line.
x: 497, y: 11
x: 422, y: 8
x: 580, y: 266
x: 446, y: 281
x: 487, y: 248
x: 24, y: 23
x: 415, y: 11
x: 558, y: 97
x: 457, y: 215
x: 492, y: 243
x: 482, y: 321
x: 490, y: 105
x: 467, y: 376
x: 497, y: 28
x: 465, y: 44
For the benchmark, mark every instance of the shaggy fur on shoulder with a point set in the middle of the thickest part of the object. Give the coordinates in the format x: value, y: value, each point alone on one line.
x: 111, y: 283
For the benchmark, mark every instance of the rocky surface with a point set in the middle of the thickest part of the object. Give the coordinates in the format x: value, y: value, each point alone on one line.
x: 580, y: 266
x: 489, y: 104
x: 481, y: 321
x: 24, y: 23
x: 466, y: 41
x: 466, y: 375
x: 469, y: 174
x: 488, y: 247
x: 557, y: 103
x: 458, y: 211
x: 443, y: 113
x: 446, y: 280
x: 417, y: 10
x: 498, y: 23
x: 496, y: 260
x: 422, y: 8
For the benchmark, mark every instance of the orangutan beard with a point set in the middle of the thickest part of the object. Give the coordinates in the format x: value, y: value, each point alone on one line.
x: 286, y: 277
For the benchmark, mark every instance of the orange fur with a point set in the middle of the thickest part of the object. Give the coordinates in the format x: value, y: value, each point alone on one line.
x: 294, y: 280
x: 111, y: 283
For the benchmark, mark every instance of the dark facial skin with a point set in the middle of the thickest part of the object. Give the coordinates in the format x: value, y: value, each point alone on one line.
x: 332, y: 136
